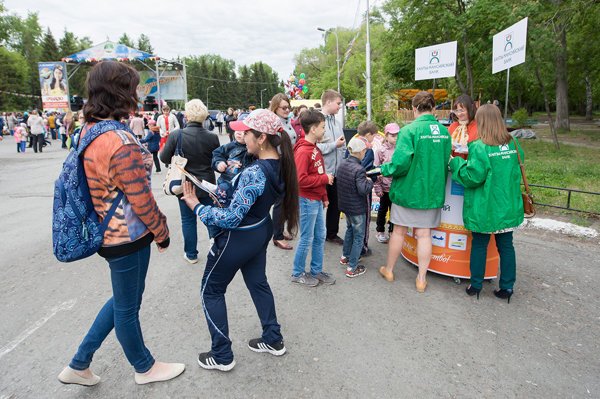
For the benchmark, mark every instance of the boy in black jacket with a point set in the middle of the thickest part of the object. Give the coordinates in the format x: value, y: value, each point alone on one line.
x: 353, y: 189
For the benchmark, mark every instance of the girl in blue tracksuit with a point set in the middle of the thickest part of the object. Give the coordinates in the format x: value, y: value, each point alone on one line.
x: 247, y: 230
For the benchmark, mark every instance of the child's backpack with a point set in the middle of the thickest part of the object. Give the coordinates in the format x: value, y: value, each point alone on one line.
x: 76, y: 231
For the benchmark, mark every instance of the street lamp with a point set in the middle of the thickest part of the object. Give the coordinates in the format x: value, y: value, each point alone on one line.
x: 207, y: 89
x: 337, y: 51
x: 261, y: 101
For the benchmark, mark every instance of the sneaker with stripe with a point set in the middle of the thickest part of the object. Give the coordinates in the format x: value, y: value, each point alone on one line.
x: 207, y: 361
x: 258, y: 345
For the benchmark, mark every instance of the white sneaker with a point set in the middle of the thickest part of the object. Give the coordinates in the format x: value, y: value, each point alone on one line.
x: 382, y: 238
x: 192, y: 261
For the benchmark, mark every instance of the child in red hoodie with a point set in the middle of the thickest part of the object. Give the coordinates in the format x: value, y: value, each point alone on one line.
x: 312, y: 181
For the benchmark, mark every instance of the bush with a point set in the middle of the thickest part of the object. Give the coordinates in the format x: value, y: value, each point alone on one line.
x: 520, y: 117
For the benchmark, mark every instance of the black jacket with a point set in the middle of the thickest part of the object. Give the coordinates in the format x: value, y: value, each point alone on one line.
x: 353, y: 187
x: 197, y: 145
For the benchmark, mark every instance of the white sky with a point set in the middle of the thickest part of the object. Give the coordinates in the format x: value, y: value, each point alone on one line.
x: 246, y: 31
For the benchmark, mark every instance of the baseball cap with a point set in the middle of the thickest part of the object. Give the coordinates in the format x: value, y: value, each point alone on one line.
x: 356, y: 145
x: 261, y: 120
x: 392, y: 128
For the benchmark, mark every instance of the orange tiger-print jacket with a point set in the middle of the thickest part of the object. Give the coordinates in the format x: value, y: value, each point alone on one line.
x: 116, y: 161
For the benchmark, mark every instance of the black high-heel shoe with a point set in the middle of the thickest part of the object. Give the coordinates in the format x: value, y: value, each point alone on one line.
x: 472, y: 291
x: 503, y: 294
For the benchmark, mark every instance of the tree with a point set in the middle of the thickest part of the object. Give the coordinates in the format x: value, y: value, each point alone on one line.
x: 143, y: 44
x: 124, y: 39
x: 50, y: 50
x: 14, y: 78
x: 68, y: 44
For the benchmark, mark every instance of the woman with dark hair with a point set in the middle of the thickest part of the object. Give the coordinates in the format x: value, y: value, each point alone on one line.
x: 280, y: 105
x: 118, y: 172
x: 419, y: 168
x: 464, y: 129
x: 57, y: 85
x: 229, y: 117
x: 247, y: 231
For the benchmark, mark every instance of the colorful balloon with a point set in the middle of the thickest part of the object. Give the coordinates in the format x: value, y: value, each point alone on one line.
x: 302, y: 76
x: 305, y: 89
x: 302, y: 81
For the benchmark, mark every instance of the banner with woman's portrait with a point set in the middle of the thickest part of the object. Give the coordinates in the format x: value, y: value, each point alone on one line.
x: 54, y: 86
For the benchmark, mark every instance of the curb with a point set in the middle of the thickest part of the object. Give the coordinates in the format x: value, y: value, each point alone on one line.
x: 557, y: 226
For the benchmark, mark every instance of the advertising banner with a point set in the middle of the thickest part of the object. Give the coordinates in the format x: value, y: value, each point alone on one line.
x: 509, y: 47
x: 172, y: 85
x: 434, y: 62
x: 54, y: 86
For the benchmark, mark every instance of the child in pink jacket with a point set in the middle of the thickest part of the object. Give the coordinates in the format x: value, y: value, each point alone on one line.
x: 382, y: 185
x: 20, y: 136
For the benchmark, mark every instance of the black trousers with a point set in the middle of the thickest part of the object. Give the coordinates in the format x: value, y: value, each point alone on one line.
x: 385, y: 204
x: 156, y: 160
x: 278, y: 225
x: 332, y: 218
x: 37, y: 142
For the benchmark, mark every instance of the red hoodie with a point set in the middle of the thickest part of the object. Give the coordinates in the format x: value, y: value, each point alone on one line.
x: 310, y: 167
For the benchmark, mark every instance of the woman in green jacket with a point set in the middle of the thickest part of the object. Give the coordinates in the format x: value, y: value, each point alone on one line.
x: 493, y: 205
x: 418, y: 170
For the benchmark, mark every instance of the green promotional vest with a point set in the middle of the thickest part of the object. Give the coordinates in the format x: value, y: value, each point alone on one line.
x: 492, y: 180
x: 419, y: 166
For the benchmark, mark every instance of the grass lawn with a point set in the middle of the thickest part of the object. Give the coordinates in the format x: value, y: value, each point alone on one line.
x: 575, y: 167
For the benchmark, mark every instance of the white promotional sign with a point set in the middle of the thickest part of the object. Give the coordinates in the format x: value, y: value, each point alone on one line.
x: 509, y: 47
x: 434, y: 62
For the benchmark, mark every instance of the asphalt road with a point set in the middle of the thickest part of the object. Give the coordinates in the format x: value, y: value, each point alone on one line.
x: 359, y: 338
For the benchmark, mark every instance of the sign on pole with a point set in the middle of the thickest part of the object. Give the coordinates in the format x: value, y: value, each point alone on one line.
x: 435, y: 62
x: 509, y: 47
x: 54, y: 86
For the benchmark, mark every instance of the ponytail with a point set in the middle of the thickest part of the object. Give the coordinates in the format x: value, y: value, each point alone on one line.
x: 288, y: 173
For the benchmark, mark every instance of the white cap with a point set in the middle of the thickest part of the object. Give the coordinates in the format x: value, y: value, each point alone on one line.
x: 356, y: 145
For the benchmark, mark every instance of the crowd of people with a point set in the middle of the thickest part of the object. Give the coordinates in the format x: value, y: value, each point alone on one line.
x: 294, y: 164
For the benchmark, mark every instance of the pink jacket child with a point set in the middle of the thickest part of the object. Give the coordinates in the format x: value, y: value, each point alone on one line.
x: 383, y: 155
x: 20, y: 136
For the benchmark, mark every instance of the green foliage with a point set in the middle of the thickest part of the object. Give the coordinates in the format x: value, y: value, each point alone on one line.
x: 49, y: 47
x: 520, y: 117
x: 143, y: 44
x: 570, y: 167
x: 14, y: 72
x: 124, y: 39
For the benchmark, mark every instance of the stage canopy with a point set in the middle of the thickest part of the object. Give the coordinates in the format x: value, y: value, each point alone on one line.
x: 109, y: 51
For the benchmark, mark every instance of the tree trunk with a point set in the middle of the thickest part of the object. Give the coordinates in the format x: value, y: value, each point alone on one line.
x: 538, y: 76
x: 589, y: 103
x: 562, y: 86
x: 468, y: 66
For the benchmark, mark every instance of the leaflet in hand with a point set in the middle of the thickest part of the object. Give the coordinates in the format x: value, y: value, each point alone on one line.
x: 202, y: 184
x: 375, y: 171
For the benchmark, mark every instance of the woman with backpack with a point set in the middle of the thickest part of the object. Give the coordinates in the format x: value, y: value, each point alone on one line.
x: 118, y: 170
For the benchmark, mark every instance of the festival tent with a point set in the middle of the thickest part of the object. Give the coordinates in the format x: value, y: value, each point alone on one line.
x: 122, y: 53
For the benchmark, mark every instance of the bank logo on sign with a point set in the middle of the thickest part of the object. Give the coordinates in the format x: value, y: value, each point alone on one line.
x: 504, y: 147
x: 508, y: 45
x: 435, y: 57
x: 435, y: 129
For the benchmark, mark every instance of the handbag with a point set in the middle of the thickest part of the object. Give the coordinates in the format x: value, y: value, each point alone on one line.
x: 528, y: 208
x: 173, y: 184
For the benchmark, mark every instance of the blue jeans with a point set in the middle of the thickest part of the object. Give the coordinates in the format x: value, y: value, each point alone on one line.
x: 312, y: 234
x: 353, y: 241
x: 121, y: 312
x: 189, y: 227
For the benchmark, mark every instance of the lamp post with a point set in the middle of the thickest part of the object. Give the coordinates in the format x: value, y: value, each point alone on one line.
x: 337, y: 51
x: 261, y: 98
x: 207, y: 89
x: 368, y: 65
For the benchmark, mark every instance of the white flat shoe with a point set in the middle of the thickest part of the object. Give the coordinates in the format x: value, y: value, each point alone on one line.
x: 68, y: 376
x: 174, y: 370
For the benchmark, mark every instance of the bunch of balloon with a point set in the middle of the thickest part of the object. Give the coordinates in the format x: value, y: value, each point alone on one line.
x: 296, y: 88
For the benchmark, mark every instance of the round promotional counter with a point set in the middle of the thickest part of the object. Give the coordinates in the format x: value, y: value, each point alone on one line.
x: 451, y: 241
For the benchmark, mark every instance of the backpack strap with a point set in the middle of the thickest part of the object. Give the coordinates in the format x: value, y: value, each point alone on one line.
x: 98, y: 129
x: 112, y: 210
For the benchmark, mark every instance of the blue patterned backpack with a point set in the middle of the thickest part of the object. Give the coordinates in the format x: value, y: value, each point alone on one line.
x: 76, y: 230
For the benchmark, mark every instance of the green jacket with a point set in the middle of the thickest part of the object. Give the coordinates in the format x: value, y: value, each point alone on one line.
x: 419, y: 166
x: 492, y: 180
